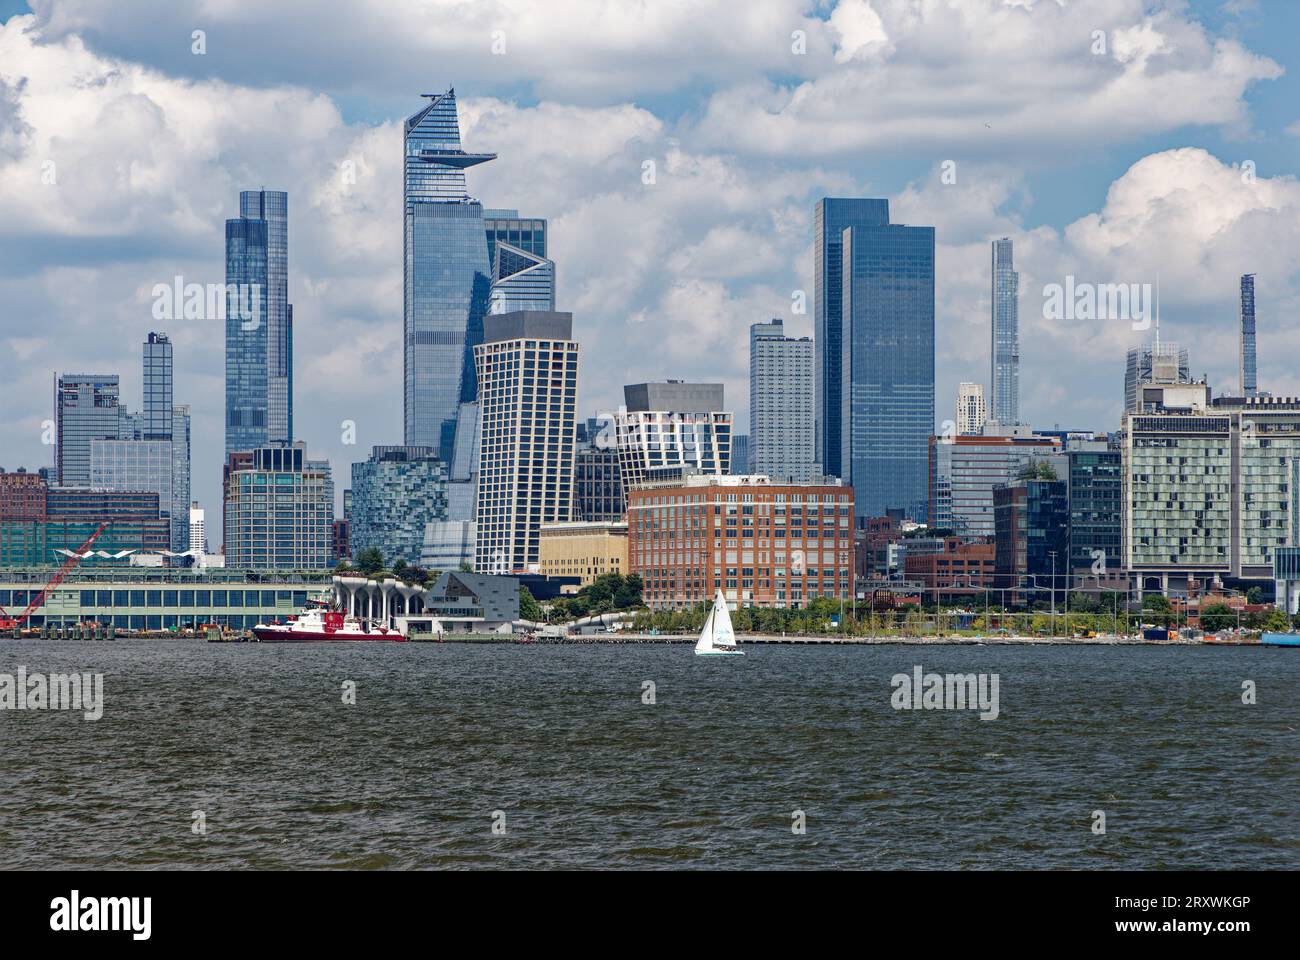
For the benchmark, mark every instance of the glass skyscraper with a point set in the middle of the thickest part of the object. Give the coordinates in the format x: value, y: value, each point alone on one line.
x: 831, y: 217
x: 86, y: 408
x: 148, y: 451
x: 395, y: 495
x: 157, y: 418
x: 1005, y: 351
x: 446, y: 276
x: 259, y: 323
x: 1247, y: 376
x: 887, y: 304
x: 521, y: 280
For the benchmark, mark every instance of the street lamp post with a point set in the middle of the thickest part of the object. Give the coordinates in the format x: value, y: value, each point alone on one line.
x: 1052, y: 553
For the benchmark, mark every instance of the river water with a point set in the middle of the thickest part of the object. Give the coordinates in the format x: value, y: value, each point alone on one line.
x: 556, y: 748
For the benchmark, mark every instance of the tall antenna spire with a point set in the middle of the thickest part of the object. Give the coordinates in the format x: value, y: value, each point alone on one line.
x: 1157, y: 313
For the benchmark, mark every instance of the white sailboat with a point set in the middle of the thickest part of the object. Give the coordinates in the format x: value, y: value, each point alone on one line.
x: 718, y: 639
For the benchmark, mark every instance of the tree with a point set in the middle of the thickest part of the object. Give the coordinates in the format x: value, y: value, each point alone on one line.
x: 628, y: 595
x: 1157, y: 608
x: 1037, y: 470
x: 529, y: 608
x: 1084, y: 602
x: 1218, y: 616
x: 1276, y: 621
x: 370, y: 561
x: 1254, y: 595
x: 399, y: 567
x: 466, y: 567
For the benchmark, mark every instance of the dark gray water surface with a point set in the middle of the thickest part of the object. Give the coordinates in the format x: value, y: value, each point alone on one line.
x: 587, y: 775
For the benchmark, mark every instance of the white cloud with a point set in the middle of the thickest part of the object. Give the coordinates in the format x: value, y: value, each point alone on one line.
x: 663, y: 278
x: 860, y: 30
x: 987, y: 78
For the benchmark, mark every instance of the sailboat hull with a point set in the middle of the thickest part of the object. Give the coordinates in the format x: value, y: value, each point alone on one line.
x: 719, y: 653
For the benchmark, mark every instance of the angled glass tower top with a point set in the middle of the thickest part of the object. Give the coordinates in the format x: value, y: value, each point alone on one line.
x: 446, y: 276
x: 520, y: 280
x: 435, y: 162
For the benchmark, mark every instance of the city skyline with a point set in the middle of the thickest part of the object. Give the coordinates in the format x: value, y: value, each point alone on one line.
x: 345, y: 228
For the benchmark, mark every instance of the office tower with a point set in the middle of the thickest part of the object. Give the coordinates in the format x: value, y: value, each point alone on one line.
x: 887, y: 307
x: 526, y: 233
x: 86, y: 409
x: 1005, y: 353
x: 449, y: 545
x: 1095, y: 494
x: 156, y: 423
x: 522, y: 277
x: 198, y: 531
x: 782, y: 403
x: 1246, y: 368
x: 520, y: 281
x: 785, y: 543
x: 965, y: 469
x: 971, y: 413
x: 831, y: 217
x: 740, y: 453
x: 527, y: 367
x: 669, y: 428
x: 597, y: 478
x: 446, y: 276
x: 1155, y: 362
x: 395, y: 494
x: 1032, y: 537
x: 279, y: 510
x: 181, y: 453
x: 259, y: 323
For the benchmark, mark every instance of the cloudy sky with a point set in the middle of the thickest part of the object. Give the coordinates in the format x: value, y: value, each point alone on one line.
x: 1115, y: 140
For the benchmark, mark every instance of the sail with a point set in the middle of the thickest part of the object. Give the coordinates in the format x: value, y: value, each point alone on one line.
x: 723, y: 634
x: 705, y: 643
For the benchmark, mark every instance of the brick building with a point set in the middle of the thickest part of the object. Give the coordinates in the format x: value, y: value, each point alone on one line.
x: 763, y: 544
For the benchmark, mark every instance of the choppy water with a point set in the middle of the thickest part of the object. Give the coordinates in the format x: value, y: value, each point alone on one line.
x: 587, y: 775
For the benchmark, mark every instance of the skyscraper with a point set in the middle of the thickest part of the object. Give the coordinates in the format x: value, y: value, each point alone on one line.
x: 395, y: 495
x: 86, y: 409
x: 597, y: 479
x: 278, y: 510
x: 671, y: 426
x: 1005, y: 352
x: 887, y: 306
x: 446, y: 276
x: 831, y: 217
x: 971, y: 412
x: 520, y: 280
x: 782, y: 389
x: 259, y: 323
x: 528, y: 393
x: 157, y: 418
x: 150, y: 450
x: 1246, y: 368
x: 1156, y: 362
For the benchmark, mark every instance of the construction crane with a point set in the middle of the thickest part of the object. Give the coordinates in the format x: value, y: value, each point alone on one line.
x: 11, y: 623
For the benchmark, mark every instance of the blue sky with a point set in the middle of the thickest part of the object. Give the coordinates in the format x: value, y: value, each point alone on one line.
x: 1112, y: 168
